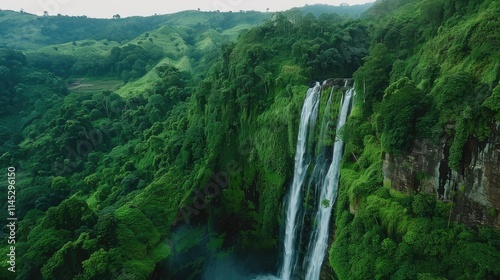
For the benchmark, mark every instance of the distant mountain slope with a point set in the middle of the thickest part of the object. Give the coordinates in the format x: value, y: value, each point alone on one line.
x: 354, y: 11
x: 25, y: 31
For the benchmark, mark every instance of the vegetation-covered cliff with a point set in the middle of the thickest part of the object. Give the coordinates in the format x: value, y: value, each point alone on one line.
x: 426, y: 125
x: 165, y: 152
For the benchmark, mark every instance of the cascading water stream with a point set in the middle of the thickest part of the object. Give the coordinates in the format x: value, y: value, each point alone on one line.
x: 321, y: 188
x: 321, y: 161
x: 319, y: 238
x: 307, y: 121
x: 318, y: 174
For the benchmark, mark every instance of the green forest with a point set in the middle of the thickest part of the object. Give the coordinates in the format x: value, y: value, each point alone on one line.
x: 163, y: 147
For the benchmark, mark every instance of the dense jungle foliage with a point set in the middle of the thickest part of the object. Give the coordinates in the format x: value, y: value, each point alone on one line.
x: 162, y: 147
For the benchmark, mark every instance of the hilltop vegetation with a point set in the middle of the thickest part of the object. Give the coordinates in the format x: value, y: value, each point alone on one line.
x: 183, y: 150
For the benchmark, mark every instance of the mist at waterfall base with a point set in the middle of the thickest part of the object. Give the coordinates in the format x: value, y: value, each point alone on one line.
x: 193, y: 253
x: 236, y: 267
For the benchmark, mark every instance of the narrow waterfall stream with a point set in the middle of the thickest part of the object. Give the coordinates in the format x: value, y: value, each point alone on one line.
x: 317, y: 176
x: 302, y: 161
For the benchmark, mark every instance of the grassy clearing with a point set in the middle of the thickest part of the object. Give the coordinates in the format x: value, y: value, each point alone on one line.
x: 80, y: 48
x: 139, y: 85
x: 147, y: 81
x: 168, y: 38
x: 93, y: 84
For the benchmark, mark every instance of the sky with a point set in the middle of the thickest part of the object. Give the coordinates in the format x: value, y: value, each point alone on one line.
x: 125, y: 8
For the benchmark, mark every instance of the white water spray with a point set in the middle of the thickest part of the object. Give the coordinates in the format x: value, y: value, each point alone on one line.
x: 307, y: 120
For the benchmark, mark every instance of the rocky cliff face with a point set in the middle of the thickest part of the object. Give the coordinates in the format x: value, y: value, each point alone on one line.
x: 475, y: 188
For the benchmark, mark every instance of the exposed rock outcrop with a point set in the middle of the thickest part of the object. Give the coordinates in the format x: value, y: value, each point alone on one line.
x: 475, y: 188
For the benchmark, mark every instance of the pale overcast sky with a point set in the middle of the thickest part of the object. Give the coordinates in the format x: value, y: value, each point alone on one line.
x: 107, y: 8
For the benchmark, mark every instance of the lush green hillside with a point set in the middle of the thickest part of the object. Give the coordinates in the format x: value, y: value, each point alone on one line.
x: 432, y: 73
x: 164, y: 152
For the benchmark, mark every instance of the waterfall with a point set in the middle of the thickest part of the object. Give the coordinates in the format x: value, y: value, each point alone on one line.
x: 322, y: 185
x: 318, y: 174
x: 319, y: 238
x: 302, y: 160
